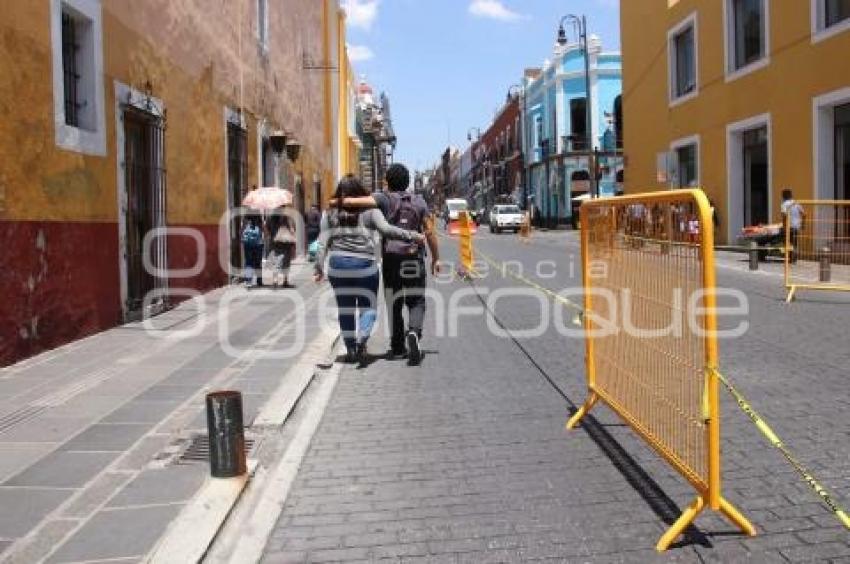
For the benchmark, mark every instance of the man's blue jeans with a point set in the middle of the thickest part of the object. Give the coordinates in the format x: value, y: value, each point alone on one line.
x: 355, y: 283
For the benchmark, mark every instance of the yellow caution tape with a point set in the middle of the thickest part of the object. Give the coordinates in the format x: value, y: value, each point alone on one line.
x: 774, y: 439
x: 555, y: 296
x: 745, y: 406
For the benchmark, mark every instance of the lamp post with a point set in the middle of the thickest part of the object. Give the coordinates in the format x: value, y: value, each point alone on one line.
x: 580, y: 24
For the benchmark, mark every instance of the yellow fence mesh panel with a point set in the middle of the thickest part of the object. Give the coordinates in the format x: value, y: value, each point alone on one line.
x: 818, y: 254
x: 646, y: 259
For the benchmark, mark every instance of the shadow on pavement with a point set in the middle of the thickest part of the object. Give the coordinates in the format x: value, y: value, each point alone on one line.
x: 663, y: 506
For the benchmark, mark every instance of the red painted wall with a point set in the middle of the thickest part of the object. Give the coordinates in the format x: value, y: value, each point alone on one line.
x: 59, y: 281
x: 183, y: 254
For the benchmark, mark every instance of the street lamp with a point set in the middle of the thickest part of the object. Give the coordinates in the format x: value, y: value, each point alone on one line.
x: 477, y: 131
x: 580, y: 25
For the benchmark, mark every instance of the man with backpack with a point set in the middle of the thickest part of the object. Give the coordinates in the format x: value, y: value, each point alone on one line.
x: 404, y: 272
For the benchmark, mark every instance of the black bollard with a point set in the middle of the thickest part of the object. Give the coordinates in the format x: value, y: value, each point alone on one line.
x: 226, y: 434
x: 754, y: 255
x: 825, y: 262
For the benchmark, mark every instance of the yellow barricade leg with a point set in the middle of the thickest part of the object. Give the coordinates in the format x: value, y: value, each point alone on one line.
x: 681, y: 524
x: 583, y: 410
x: 736, y: 517
x: 791, y: 292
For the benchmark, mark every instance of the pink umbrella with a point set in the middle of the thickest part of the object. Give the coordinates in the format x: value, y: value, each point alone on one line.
x: 267, y: 198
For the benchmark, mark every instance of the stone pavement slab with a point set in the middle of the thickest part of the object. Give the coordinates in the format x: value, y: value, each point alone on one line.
x: 14, y: 457
x: 117, y: 533
x: 167, y: 485
x: 107, y: 437
x: 31, y: 506
x: 63, y: 470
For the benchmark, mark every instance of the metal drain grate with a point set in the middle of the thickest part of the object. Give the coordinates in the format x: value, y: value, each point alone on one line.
x: 198, y: 449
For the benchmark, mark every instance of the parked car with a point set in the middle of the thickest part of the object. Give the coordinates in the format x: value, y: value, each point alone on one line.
x: 505, y: 217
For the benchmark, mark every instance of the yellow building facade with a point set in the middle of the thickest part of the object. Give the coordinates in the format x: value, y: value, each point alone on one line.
x: 123, y: 119
x: 744, y: 98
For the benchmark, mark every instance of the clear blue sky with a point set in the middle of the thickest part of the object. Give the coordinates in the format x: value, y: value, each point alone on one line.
x: 447, y: 64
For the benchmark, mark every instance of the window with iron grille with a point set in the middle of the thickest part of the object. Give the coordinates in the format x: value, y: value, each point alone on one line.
x: 70, y: 51
x: 76, y: 45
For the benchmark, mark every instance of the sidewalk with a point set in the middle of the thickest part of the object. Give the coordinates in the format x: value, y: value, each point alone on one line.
x: 101, y: 441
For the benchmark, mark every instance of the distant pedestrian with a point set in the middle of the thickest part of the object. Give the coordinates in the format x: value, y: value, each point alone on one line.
x: 793, y: 216
x: 313, y: 223
x: 348, y: 239
x: 252, y: 243
x: 281, y: 234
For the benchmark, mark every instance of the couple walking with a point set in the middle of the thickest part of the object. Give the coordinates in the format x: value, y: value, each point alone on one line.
x: 350, y: 240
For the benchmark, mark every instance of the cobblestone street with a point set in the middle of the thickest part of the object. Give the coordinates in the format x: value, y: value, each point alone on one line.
x: 466, y: 457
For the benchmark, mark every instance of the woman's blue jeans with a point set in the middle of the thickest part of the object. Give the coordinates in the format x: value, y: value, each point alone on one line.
x: 355, y: 283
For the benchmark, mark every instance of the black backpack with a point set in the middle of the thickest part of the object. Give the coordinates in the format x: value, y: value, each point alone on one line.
x: 403, y: 213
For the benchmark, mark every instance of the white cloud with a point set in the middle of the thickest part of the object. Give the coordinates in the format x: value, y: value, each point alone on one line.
x: 357, y: 53
x: 361, y: 13
x: 493, y: 9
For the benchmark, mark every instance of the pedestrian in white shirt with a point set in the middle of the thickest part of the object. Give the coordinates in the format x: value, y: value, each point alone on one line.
x: 793, y: 215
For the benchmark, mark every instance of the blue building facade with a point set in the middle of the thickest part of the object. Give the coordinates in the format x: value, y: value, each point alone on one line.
x: 559, y: 161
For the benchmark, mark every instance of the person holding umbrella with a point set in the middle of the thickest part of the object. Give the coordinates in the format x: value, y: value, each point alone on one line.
x: 279, y: 229
x: 281, y: 234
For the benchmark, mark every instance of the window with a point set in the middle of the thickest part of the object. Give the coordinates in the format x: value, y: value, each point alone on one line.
x: 578, y: 123
x: 538, y: 131
x: 836, y: 11
x: 682, y: 59
x: 683, y: 162
x: 686, y: 164
x: 78, y: 99
x: 747, y: 33
x: 683, y: 48
x: 829, y: 17
x: 263, y: 24
x: 70, y: 52
x: 618, y: 120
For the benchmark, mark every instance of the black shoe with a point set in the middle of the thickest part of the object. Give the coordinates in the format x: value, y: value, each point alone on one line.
x: 350, y: 356
x: 414, y: 354
x: 362, y: 355
x: 394, y: 354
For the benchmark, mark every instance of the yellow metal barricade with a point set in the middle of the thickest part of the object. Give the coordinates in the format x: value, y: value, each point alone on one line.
x: 465, y: 241
x: 650, y: 358
x: 817, y: 253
